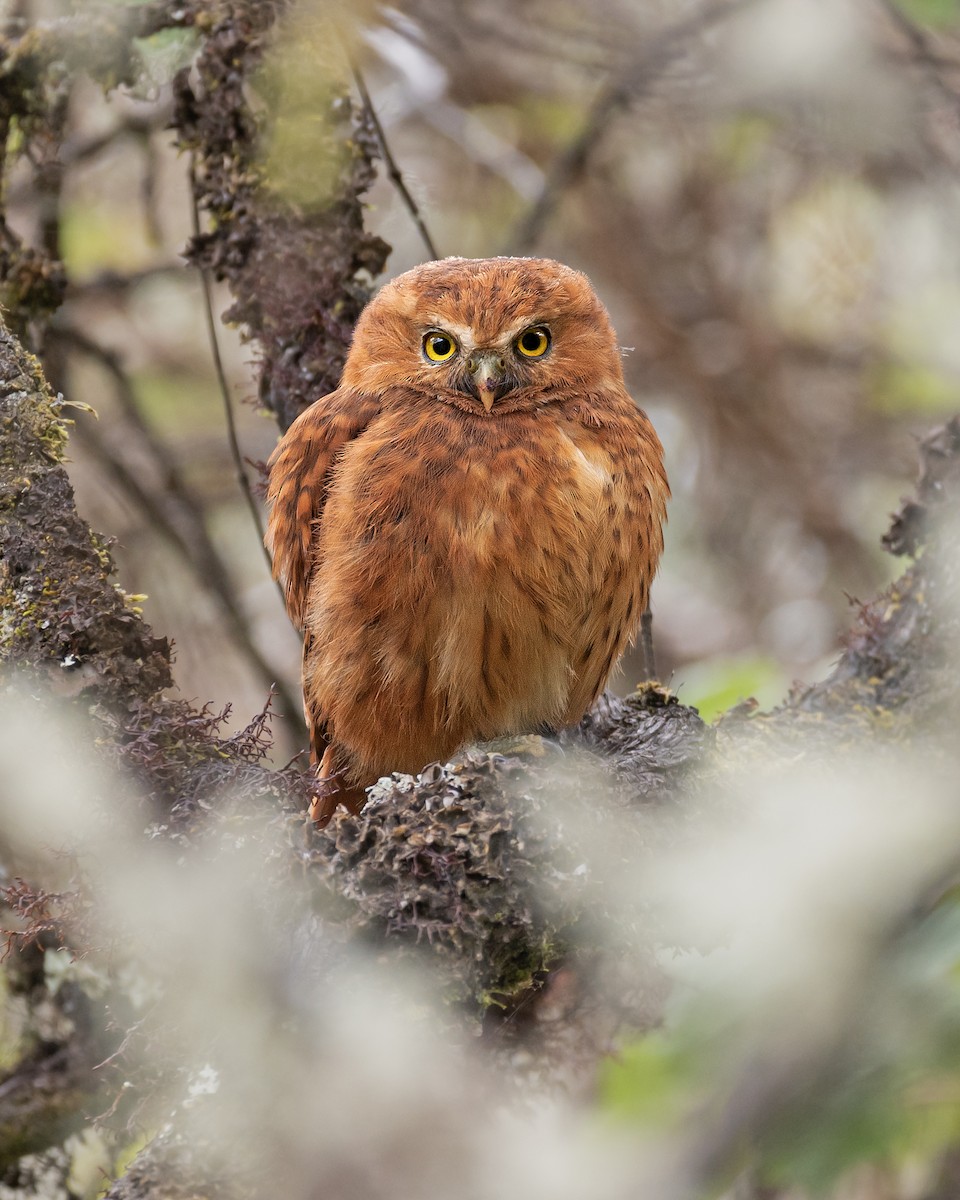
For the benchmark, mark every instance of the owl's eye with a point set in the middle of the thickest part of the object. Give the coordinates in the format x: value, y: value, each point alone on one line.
x: 533, y: 342
x: 438, y: 347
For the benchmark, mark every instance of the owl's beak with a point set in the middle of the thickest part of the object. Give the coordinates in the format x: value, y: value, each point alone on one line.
x: 487, y: 373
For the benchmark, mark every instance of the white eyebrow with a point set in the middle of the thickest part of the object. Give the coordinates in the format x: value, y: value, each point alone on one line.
x: 462, y: 333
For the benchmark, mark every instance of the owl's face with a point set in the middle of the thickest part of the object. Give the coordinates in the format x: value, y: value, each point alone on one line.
x: 491, y: 336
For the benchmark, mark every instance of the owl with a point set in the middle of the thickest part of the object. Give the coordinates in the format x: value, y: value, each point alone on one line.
x: 466, y: 530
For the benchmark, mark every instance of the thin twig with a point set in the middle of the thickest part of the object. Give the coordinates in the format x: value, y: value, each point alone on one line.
x: 122, y: 1048
x: 393, y: 171
x: 148, y: 191
x: 130, y: 125
x: 570, y: 164
x: 109, y: 280
x: 235, y: 451
x: 646, y: 645
x: 186, y: 531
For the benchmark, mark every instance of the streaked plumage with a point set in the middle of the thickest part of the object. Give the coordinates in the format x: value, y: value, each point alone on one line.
x: 467, y: 554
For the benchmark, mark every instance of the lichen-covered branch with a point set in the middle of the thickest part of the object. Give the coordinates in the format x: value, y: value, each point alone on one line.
x: 62, y: 616
x: 68, y: 632
x: 293, y: 250
x: 54, y: 1088
x: 37, y: 67
x: 67, y: 626
x: 896, y: 678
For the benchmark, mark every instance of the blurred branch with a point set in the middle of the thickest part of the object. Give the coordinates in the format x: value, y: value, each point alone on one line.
x: 148, y: 191
x: 108, y: 281
x: 477, y: 139
x: 184, y: 529
x: 136, y: 125
x: 72, y: 152
x: 99, y: 42
x: 50, y: 1092
x: 569, y: 165
x: 914, y: 33
x: 133, y: 125
x: 393, y: 171
x: 482, y: 26
x: 923, y: 51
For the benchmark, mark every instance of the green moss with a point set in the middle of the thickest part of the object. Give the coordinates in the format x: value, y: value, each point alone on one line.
x: 101, y: 551
x: 515, y: 966
x: 32, y: 432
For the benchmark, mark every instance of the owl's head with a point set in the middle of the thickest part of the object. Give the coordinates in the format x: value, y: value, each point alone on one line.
x: 490, y: 335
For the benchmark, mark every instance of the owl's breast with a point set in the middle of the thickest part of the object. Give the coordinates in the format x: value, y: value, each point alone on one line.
x: 490, y: 558
x: 467, y: 489
x: 514, y: 506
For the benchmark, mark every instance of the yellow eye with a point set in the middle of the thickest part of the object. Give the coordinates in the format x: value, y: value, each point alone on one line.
x: 533, y: 342
x: 438, y: 347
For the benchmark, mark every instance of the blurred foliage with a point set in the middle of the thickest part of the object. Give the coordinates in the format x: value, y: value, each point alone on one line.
x: 716, y: 686
x: 891, y: 1099
x: 932, y: 12
x: 912, y: 388
x: 650, y: 1081
x: 102, y: 238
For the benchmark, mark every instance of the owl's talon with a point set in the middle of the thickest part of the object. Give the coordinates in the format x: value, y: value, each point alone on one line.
x: 333, y: 790
x: 330, y: 796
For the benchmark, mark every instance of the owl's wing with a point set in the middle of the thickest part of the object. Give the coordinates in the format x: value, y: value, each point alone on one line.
x: 299, y: 477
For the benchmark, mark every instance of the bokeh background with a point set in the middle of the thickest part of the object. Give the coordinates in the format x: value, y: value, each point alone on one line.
x: 764, y: 194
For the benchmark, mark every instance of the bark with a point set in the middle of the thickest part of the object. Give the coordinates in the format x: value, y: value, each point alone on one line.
x: 288, y: 238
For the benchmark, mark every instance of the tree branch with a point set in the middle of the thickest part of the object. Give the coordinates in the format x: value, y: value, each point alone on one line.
x: 224, y: 388
x: 393, y: 171
x: 184, y: 526
x: 570, y: 164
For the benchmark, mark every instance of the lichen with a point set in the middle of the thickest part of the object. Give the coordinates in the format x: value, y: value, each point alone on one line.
x: 300, y: 273
x: 480, y: 862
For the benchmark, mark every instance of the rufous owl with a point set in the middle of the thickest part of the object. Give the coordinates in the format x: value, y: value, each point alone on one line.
x: 465, y: 530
